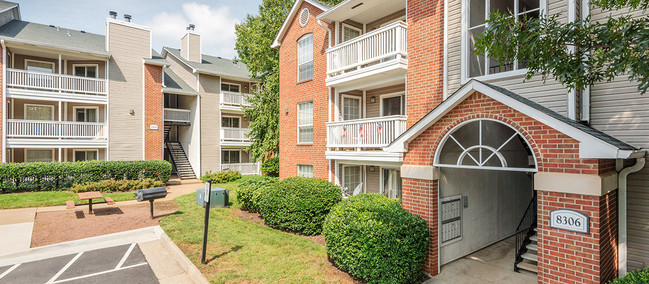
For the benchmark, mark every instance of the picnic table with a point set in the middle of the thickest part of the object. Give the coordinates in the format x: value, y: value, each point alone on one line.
x: 90, y: 196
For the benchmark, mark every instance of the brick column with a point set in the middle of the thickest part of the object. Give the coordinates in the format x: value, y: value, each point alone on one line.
x: 420, y: 198
x: 153, y: 104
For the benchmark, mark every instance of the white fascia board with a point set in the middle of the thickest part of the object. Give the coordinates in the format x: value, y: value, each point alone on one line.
x: 155, y: 62
x: 54, y: 48
x: 178, y: 92
x: 278, y: 42
x: 333, y: 9
x: 373, y: 156
x: 164, y: 51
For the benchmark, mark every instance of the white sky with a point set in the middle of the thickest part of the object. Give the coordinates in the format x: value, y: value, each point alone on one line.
x: 167, y: 19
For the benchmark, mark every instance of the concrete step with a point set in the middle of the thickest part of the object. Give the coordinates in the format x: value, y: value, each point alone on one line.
x: 532, y: 247
x: 530, y: 256
x: 534, y: 238
x: 528, y: 266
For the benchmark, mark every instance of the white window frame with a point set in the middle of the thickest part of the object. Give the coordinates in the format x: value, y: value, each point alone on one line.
x: 36, y: 149
x: 231, y: 150
x: 40, y: 61
x: 381, y: 185
x: 345, y: 25
x: 300, y: 173
x: 74, y: 153
x: 38, y: 105
x: 298, y: 57
x: 392, y: 95
x: 464, y: 58
x: 360, y: 105
x: 360, y: 176
x: 304, y: 125
x: 231, y: 84
x: 74, y: 112
x: 231, y: 116
x: 86, y: 65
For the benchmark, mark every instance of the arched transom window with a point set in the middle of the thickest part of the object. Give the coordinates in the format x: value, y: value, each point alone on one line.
x: 485, y: 144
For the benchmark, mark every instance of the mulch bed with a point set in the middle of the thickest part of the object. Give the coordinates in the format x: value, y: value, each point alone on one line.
x: 68, y: 225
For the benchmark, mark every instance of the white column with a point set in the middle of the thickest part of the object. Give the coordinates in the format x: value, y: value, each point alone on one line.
x: 59, y: 80
x: 364, y: 102
x: 60, y: 127
x: 60, y: 155
x: 336, y: 106
x: 337, y: 173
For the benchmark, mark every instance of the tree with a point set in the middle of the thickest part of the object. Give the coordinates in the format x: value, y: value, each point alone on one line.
x: 254, y: 38
x: 578, y: 53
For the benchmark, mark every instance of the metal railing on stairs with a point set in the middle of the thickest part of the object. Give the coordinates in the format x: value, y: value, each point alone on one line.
x: 524, y: 231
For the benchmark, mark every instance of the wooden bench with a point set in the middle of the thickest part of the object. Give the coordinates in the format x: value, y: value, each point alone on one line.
x: 69, y: 204
x: 109, y: 200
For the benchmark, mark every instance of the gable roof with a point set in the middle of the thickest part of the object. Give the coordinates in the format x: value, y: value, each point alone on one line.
x: 156, y: 59
x: 213, y: 65
x: 282, y: 31
x: 592, y: 142
x: 175, y: 85
x: 53, y: 37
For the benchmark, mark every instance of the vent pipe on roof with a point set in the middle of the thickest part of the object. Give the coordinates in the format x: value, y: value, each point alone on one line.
x: 112, y: 14
x: 191, y: 27
x: 127, y: 17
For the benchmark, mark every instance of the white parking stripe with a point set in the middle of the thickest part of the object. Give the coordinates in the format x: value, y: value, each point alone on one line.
x: 99, y: 273
x: 65, y: 267
x: 128, y: 252
x: 9, y: 270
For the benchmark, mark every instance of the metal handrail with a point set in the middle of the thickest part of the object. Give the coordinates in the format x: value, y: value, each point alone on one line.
x: 524, y: 231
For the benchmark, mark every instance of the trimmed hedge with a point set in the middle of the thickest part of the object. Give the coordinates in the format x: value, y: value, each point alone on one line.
x: 112, y: 185
x: 635, y: 277
x: 250, y: 191
x: 221, y: 177
x: 271, y: 167
x: 373, y: 238
x: 55, y: 176
x: 298, y: 204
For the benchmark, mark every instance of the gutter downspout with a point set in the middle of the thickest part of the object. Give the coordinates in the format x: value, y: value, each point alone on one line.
x: 328, y: 31
x: 621, y: 215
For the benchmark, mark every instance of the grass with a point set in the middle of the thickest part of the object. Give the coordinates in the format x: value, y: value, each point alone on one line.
x: 240, y: 251
x: 50, y: 198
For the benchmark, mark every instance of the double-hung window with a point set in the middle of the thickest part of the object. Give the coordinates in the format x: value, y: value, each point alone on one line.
x: 230, y: 157
x: 305, y: 171
x: 39, y: 155
x: 305, y: 58
x: 305, y: 122
x: 86, y: 114
x: 85, y: 71
x: 236, y: 88
x: 39, y: 112
x: 479, y: 10
x: 350, y: 32
x: 85, y: 155
x: 230, y: 121
x: 351, y: 107
x: 351, y: 178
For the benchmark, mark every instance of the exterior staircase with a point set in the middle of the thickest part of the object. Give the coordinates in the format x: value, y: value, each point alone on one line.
x: 179, y: 158
x: 527, y: 240
x: 167, y: 130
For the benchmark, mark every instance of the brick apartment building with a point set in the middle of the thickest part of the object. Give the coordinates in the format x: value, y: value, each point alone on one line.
x: 71, y: 95
x: 387, y: 96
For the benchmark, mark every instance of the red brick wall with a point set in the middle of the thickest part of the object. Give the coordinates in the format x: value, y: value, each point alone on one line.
x: 292, y: 92
x: 420, y: 198
x: 570, y: 257
x: 153, y: 103
x: 2, y: 123
x: 425, y: 57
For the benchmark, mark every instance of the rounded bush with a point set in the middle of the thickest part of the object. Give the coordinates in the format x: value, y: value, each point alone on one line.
x: 298, y: 204
x: 374, y: 238
x: 249, y: 192
x: 634, y: 277
x: 271, y: 167
x: 221, y: 177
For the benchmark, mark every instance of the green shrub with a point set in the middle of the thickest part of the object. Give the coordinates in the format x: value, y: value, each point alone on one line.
x: 271, y: 167
x: 112, y: 185
x: 221, y: 177
x: 373, y: 238
x: 55, y: 176
x: 635, y: 277
x: 250, y: 191
x: 298, y: 204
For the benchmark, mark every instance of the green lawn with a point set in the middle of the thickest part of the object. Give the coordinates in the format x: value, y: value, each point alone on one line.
x: 242, y: 251
x: 50, y: 198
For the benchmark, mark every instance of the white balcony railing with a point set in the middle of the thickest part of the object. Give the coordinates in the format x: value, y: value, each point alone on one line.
x: 55, y: 82
x: 365, y: 133
x: 235, y: 134
x: 233, y: 99
x: 243, y: 168
x: 177, y: 115
x: 384, y: 44
x: 55, y: 129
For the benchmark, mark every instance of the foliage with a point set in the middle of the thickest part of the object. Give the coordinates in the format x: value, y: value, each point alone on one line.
x: 221, y: 177
x: 249, y: 192
x: 578, y: 53
x: 298, y: 204
x: 255, y: 36
x: 635, y: 277
x: 112, y: 185
x: 373, y: 238
x: 16, y: 177
x: 271, y: 167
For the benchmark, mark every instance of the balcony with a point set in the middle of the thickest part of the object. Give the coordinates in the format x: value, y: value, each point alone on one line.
x: 243, y: 168
x: 375, y: 132
x: 232, y: 101
x: 55, y: 134
x: 178, y: 116
x: 235, y: 136
x: 382, y: 51
x: 29, y: 84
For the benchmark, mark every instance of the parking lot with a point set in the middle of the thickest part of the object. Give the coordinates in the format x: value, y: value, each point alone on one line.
x: 117, y: 264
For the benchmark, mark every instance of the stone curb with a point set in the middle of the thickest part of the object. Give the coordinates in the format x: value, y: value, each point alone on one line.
x: 179, y: 256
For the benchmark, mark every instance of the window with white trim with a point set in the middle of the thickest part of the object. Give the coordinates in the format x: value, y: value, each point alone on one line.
x: 85, y: 71
x: 350, y: 32
x: 351, y: 108
x: 305, y: 58
x: 305, y: 171
x: 230, y: 121
x: 305, y: 122
x: 230, y: 156
x: 39, y: 112
x: 393, y: 105
x: 479, y: 10
x: 236, y: 88
x: 85, y: 155
x: 39, y: 155
x: 391, y: 183
x: 351, y: 179
x: 39, y: 66
x: 86, y: 114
